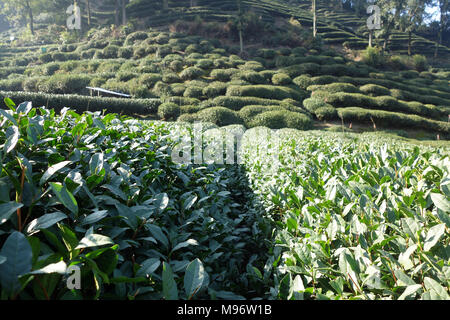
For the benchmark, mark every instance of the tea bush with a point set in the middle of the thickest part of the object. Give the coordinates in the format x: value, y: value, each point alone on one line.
x: 169, y: 111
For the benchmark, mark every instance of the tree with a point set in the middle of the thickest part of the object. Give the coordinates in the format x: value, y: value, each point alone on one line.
x: 240, y: 24
x: 413, y: 18
x: 391, y: 11
x: 444, y: 8
x: 88, y: 7
x: 17, y: 11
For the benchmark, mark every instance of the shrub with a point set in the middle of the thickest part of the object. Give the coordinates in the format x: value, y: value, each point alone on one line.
x: 373, y: 57
x: 335, y: 87
x: 125, y: 52
x: 83, y: 103
x: 177, y: 89
x: 191, y: 73
x: 11, y: 85
x: 343, y: 99
x: 58, y: 56
x: 420, y: 62
x: 374, y: 90
x: 150, y: 79
x: 298, y: 121
x: 132, y: 37
x: 327, y: 79
x: 88, y: 54
x: 312, y: 104
x: 220, y: 116
x: 191, y: 109
x: 303, y: 81
x: 170, y: 77
x: 247, y: 113
x: 252, y: 65
x: 215, y: 89
x: 326, y: 113
x: 187, y: 117
x: 176, y: 65
x: 65, y: 84
x: 140, y: 52
x: 49, y: 69
x: 398, y: 62
x: 279, y: 119
x: 299, y: 69
x: 409, y: 74
x: 205, y: 64
x: 281, y: 79
x: 169, y: 111
x: 193, y: 92
x: 237, y: 103
x: 110, y: 52
x: 266, y: 92
x: 249, y: 76
x: 45, y: 58
x: 125, y: 76
x: 270, y: 119
x: 223, y: 74
x: 392, y: 119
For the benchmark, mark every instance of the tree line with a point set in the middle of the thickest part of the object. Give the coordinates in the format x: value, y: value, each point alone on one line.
x: 405, y: 15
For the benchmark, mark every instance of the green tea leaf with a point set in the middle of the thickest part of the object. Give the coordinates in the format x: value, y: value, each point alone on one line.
x: 18, y: 254
x: 59, y: 267
x: 170, y: 291
x: 440, y: 202
x: 66, y: 198
x: 433, y: 235
x: 148, y: 267
x: 193, y: 278
x: 437, y: 291
x: 94, y: 240
x: 45, y: 222
x: 7, y: 209
x: 12, y: 140
x: 52, y: 170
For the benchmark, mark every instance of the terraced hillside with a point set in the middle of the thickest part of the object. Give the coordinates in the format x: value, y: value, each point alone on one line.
x: 174, y: 76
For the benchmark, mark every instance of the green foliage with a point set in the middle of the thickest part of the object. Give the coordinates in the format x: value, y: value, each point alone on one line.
x: 374, y: 90
x: 266, y: 92
x: 326, y: 113
x: 83, y: 103
x: 220, y: 116
x: 281, y: 79
x: 279, y: 119
x: 169, y: 111
x: 191, y: 73
x: 373, y: 57
x: 420, y: 62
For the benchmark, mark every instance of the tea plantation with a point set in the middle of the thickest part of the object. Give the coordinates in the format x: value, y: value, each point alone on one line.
x: 336, y: 186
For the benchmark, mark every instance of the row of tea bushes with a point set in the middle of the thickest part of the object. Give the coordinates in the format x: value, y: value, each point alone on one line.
x: 143, y: 107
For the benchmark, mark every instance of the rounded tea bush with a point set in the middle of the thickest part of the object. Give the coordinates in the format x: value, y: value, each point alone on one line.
x: 312, y: 104
x: 281, y: 79
x: 374, y: 90
x: 191, y: 73
x: 247, y: 113
x: 303, y: 81
x: 279, y: 119
x: 220, y: 116
x: 215, y: 89
x: 326, y: 113
x: 193, y: 92
x: 169, y: 111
